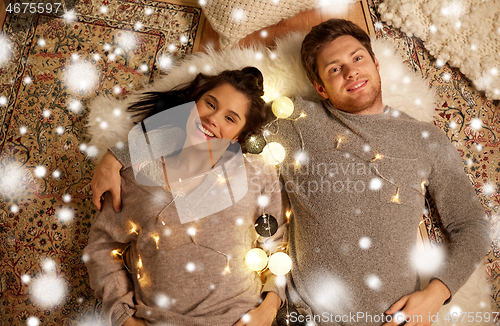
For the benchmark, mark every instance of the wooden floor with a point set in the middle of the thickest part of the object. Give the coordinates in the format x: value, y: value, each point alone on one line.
x: 304, y: 21
x: 356, y: 12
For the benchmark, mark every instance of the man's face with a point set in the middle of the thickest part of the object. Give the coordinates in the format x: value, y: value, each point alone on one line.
x: 350, y: 76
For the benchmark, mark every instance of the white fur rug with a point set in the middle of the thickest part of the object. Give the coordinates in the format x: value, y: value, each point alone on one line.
x: 283, y: 75
x: 464, y: 33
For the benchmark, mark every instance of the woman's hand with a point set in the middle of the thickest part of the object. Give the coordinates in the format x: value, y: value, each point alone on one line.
x: 107, y: 178
x: 264, y: 314
x: 132, y: 321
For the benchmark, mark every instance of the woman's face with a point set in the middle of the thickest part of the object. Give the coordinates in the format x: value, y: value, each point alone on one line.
x: 221, y: 115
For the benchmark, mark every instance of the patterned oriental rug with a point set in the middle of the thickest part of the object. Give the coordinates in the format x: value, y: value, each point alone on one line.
x: 472, y: 122
x: 54, y: 65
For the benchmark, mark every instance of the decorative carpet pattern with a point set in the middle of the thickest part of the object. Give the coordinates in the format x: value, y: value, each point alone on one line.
x: 472, y: 122
x: 56, y: 66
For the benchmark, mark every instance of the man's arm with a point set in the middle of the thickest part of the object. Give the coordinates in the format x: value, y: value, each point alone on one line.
x: 107, y: 178
x: 463, y: 218
x: 421, y: 303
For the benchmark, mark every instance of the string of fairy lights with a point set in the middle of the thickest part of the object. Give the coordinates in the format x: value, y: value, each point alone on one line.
x: 276, y: 260
x: 274, y: 153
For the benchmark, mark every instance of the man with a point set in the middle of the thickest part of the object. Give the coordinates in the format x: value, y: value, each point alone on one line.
x: 357, y: 193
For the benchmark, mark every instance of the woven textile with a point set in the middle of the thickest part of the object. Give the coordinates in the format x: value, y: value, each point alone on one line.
x: 235, y: 19
x: 464, y: 33
x: 459, y: 104
x: 45, y: 217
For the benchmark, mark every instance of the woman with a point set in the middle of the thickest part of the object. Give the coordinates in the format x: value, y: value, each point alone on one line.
x: 153, y: 263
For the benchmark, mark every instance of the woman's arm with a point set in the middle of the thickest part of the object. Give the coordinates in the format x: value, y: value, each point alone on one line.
x: 108, y: 238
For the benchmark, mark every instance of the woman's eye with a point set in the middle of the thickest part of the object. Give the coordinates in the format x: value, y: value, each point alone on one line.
x: 358, y: 58
x: 334, y: 70
x: 211, y: 105
x: 230, y: 119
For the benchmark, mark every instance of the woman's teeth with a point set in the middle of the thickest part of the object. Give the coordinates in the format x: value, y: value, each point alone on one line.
x: 205, y: 131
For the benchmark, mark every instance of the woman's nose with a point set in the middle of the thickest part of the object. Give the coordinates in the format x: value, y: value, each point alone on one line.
x: 213, y: 118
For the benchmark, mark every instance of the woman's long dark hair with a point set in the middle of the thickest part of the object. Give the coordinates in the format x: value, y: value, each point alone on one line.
x: 248, y: 81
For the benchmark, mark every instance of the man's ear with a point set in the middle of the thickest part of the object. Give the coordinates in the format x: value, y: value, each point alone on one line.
x: 377, y: 64
x: 321, y: 90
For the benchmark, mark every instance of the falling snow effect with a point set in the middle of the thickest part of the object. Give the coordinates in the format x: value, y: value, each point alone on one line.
x: 65, y: 215
x: 191, y: 231
x: 476, y: 124
x: 239, y: 15
x: 163, y: 301
x: 375, y: 184
x: 427, y: 261
x: 47, y: 290
x: 127, y: 41
x: 365, y: 243
x: 190, y: 267
x: 5, y: 50
x: 330, y: 293
x: 32, y: 321
x: 69, y: 16
x: 40, y: 171
x: 165, y: 62
x: 81, y: 77
x: 373, y: 282
x: 263, y: 200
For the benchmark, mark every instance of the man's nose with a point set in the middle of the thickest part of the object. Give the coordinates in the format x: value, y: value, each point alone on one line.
x: 350, y: 72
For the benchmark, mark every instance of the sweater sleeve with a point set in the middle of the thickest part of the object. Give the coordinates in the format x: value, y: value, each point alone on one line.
x: 109, y: 279
x: 461, y: 212
x: 277, y: 207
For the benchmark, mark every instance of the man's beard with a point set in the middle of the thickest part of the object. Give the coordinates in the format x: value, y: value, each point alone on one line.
x: 360, y: 103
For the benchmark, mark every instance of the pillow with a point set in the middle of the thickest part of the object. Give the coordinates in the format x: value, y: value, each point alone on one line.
x: 283, y: 76
x: 235, y: 19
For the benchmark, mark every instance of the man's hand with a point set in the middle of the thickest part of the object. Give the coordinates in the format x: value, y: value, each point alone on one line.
x: 421, y: 304
x: 264, y: 314
x: 132, y: 321
x: 107, y: 178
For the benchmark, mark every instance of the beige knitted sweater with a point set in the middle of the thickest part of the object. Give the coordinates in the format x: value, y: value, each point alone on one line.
x: 173, y: 280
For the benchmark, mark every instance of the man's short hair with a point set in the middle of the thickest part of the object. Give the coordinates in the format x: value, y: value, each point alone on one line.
x: 323, y: 34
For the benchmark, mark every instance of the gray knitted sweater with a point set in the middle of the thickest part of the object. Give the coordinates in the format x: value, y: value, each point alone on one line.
x: 350, y: 241
x: 173, y: 280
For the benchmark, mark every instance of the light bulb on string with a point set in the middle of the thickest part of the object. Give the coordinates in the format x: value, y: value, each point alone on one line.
x: 280, y: 263
x: 256, y: 259
x: 274, y: 153
x: 282, y: 107
x: 156, y: 238
x: 422, y: 185
x: 134, y: 228
x: 377, y: 157
x: 227, y: 269
x: 255, y: 144
x: 396, y: 199
x: 339, y: 140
